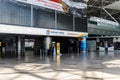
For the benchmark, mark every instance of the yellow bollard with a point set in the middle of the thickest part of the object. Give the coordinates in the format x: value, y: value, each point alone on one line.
x: 58, y: 61
x: 58, y: 55
x: 58, y: 48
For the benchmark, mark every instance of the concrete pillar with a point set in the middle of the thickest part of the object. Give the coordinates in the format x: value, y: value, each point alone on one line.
x: 19, y: 46
x: 118, y: 39
x: 83, y: 44
x: 114, y: 42
x: 23, y: 47
x: 38, y: 45
x: 48, y: 41
x: 97, y: 43
x: 54, y: 50
x: 106, y: 45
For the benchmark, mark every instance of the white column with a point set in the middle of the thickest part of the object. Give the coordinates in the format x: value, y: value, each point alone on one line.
x: 97, y: 43
x: 118, y: 39
x: 19, y: 46
x: 106, y: 45
x: 114, y: 40
x: 47, y: 43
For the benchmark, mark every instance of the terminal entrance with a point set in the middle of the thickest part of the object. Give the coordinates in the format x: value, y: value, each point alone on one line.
x: 22, y: 45
x: 67, y: 45
x: 13, y: 45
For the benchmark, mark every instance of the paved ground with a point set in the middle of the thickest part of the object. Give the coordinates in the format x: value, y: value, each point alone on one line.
x: 86, y: 66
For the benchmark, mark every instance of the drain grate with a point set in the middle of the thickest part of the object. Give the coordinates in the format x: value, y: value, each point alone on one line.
x: 92, y: 78
x: 98, y: 59
x: 95, y: 63
x: 29, y: 62
x: 70, y: 63
x: 94, y: 67
x: 22, y: 72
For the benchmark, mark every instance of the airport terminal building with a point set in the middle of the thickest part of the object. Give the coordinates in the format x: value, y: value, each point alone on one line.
x: 39, y: 23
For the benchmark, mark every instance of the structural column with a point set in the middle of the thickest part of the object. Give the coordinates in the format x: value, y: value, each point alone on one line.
x: 48, y: 41
x: 106, y: 45
x: 23, y: 47
x: 83, y: 44
x: 19, y: 46
x: 97, y: 43
x: 114, y: 42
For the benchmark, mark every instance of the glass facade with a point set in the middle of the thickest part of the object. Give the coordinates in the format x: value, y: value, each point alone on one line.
x: 44, y: 19
x: 64, y: 22
x: 20, y: 14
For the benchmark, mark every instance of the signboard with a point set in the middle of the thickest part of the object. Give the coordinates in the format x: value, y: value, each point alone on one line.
x: 76, y: 7
x: 52, y: 32
x: 11, y: 29
x: 51, y: 4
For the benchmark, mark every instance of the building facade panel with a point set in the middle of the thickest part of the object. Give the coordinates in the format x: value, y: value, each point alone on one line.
x: 15, y: 13
x: 81, y: 24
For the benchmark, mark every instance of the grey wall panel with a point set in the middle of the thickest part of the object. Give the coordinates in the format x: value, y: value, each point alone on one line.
x: 81, y: 24
x: 17, y: 14
x: 14, y: 14
x: 98, y: 31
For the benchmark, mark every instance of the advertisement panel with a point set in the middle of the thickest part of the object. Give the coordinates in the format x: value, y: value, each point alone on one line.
x: 76, y: 7
x: 51, y: 4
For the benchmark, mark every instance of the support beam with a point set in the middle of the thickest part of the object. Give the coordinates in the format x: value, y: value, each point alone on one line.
x: 110, y: 15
